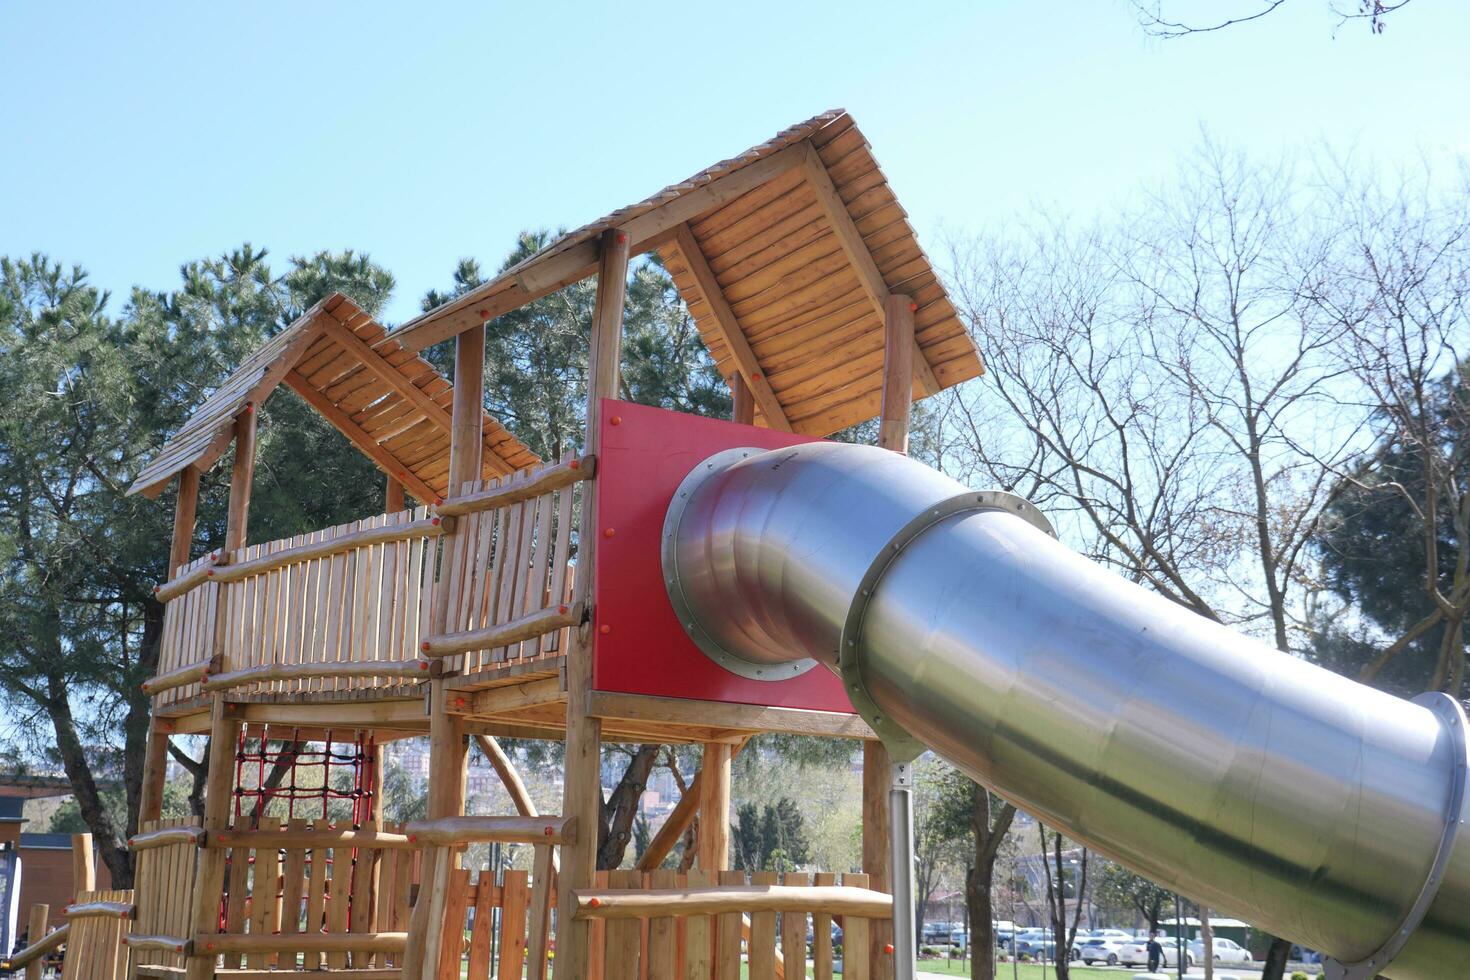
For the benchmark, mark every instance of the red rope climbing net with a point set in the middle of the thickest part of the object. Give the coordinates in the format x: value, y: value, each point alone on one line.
x: 331, y: 779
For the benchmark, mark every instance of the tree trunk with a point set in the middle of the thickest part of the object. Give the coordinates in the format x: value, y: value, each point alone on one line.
x: 140, y: 713
x: 74, y: 761
x: 1207, y: 940
x: 621, y: 808
x: 980, y: 900
x: 1276, y: 956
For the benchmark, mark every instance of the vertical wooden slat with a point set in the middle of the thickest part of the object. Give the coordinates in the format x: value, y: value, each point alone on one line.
x: 316, y: 899
x: 623, y: 935
x: 479, y: 958
x: 513, y: 926
x: 727, y: 934
x: 263, y: 916
x: 822, y: 934
x: 451, y: 940
x: 538, y: 938
x: 339, y: 900
x: 793, y: 931
x: 857, y: 961
x: 662, y: 934
x: 762, y: 948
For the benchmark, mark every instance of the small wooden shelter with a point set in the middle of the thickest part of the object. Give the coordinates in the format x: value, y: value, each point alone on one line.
x: 464, y: 619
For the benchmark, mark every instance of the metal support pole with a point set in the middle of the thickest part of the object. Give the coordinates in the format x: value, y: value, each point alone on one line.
x: 901, y: 860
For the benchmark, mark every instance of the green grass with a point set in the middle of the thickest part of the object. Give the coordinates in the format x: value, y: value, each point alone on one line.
x: 1024, y: 971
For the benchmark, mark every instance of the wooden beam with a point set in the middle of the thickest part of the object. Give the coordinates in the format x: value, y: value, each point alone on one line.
x: 582, y: 767
x: 742, y: 402
x: 714, y: 807
x: 510, y: 697
x: 209, y: 875
x: 726, y: 899
x: 384, y: 371
x: 466, y: 446
x: 242, y: 478
x: 405, y: 713
x: 450, y: 831
x: 544, y: 275
x: 393, y: 495
x: 524, y: 487
x: 898, y: 358
x: 510, y: 778
x: 745, y: 717
x: 868, y: 275
x: 728, y: 327
x: 355, y: 434
x: 678, y: 820
x: 185, y: 506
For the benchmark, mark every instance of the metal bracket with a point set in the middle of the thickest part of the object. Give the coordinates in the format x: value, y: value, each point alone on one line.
x: 903, y: 747
x: 1452, y: 714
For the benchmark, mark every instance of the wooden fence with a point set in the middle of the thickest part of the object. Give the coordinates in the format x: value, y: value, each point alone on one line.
x: 96, y: 924
x: 187, y: 644
x: 308, y: 896
x: 662, y: 925
x: 509, y: 592
x: 167, y: 859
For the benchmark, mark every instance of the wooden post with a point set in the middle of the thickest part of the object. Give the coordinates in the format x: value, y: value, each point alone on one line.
x: 155, y: 755
x: 209, y: 878
x: 393, y: 496
x: 582, y: 786
x: 35, y: 932
x: 466, y: 445
x: 740, y: 394
x: 242, y: 477
x: 714, y: 807
x: 184, y: 508
x: 893, y: 434
x: 83, y: 864
x: 898, y: 372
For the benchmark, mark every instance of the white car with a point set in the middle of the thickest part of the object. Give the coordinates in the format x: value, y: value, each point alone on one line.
x: 1226, y: 951
x: 1102, y: 949
x: 1135, y: 953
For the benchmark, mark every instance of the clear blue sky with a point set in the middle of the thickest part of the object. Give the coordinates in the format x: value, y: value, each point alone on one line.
x: 137, y: 136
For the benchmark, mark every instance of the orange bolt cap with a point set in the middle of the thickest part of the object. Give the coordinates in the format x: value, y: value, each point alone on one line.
x: 209, y: 574
x: 561, y: 610
x: 424, y: 646
x: 548, y: 831
x: 608, y: 532
x: 158, y: 588
x: 913, y: 307
x: 888, y: 948
x: 484, y: 314
x: 575, y: 464
x: 413, y: 838
x: 594, y: 903
x: 604, y: 628
x: 438, y: 501
x: 615, y: 420
x: 622, y: 237
x: 423, y: 665
x: 434, y: 521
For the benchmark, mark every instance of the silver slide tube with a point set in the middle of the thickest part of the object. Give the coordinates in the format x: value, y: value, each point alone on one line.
x: 1313, y: 807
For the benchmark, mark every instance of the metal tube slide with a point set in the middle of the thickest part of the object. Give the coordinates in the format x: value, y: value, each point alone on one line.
x: 1263, y: 786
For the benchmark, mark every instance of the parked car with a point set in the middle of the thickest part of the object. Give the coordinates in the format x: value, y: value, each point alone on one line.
x: 1135, y: 953
x: 1103, y: 949
x: 936, y: 933
x: 1005, y: 931
x: 1036, y: 943
x: 1226, y: 951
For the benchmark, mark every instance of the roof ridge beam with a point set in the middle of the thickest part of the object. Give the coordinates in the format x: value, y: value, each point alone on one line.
x: 542, y: 276
x: 869, y: 277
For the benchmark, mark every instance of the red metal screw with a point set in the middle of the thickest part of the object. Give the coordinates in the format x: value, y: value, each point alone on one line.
x: 604, y: 629
x: 615, y: 420
x: 757, y: 376
x: 413, y: 838
x: 423, y: 665
x: 250, y: 406
x: 608, y: 532
x: 209, y: 574
x: 434, y: 521
x: 575, y: 464
x: 561, y: 610
x: 484, y: 314
x: 459, y: 702
x: 424, y: 646
x: 548, y: 831
x: 913, y: 307
x: 622, y: 237
x: 888, y: 948
x: 594, y: 903
x: 438, y: 501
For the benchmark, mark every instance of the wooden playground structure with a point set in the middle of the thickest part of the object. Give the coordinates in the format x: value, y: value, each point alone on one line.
x: 476, y: 614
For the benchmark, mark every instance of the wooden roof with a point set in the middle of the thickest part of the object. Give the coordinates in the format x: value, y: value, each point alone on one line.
x: 391, y: 404
x: 783, y: 255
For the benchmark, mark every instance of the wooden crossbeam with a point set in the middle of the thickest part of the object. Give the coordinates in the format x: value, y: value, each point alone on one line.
x: 359, y: 437
x: 868, y: 275
x: 728, y: 328
x: 545, y: 276
x: 384, y: 371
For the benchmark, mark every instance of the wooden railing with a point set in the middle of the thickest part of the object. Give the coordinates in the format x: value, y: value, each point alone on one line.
x: 509, y: 593
x: 96, y: 925
x: 352, y: 607
x: 456, y: 911
x: 301, y: 896
x: 666, y: 926
x: 167, y: 854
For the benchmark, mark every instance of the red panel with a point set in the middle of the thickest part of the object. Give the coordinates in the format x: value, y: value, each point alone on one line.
x: 645, y: 454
